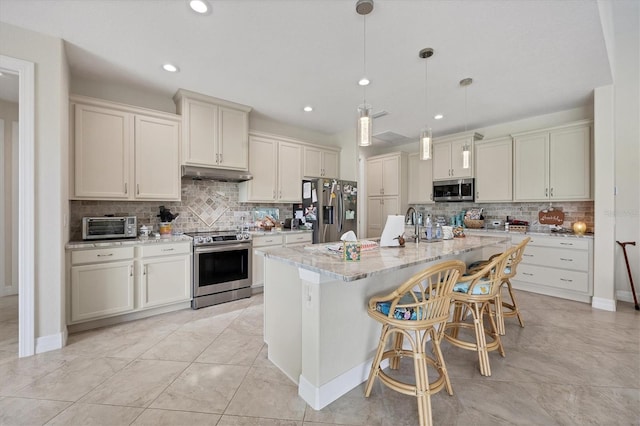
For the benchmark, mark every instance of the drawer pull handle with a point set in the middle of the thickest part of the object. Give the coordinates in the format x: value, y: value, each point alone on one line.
x: 566, y: 260
x: 528, y: 255
x: 105, y: 255
x: 527, y: 274
x: 168, y: 249
x: 567, y: 244
x: 566, y: 280
x: 269, y: 241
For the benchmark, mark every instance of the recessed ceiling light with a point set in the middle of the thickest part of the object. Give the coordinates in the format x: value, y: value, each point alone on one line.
x: 308, y: 108
x: 438, y: 116
x: 364, y: 81
x: 200, y: 6
x: 170, y: 68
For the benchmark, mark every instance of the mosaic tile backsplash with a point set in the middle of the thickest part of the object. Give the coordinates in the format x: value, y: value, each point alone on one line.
x: 205, y: 206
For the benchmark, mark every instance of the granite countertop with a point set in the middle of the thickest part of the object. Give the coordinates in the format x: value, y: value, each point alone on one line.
x: 381, y: 260
x: 78, y: 245
x: 280, y: 231
x: 548, y: 233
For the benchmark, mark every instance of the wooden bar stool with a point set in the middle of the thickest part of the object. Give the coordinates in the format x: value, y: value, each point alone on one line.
x: 473, y: 296
x: 417, y: 310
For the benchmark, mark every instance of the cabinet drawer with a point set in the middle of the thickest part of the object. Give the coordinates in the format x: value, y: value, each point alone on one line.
x: 558, y: 278
x: 101, y: 255
x: 298, y: 238
x: 559, y: 242
x: 164, y: 249
x: 267, y: 240
x: 577, y: 260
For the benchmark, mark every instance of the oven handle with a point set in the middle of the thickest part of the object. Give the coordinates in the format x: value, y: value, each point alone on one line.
x: 221, y: 247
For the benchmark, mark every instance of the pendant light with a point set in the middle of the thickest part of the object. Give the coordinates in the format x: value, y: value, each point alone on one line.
x: 466, y: 151
x: 425, y: 134
x: 365, y: 120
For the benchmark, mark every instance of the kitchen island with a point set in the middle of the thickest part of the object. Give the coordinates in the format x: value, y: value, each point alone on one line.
x: 316, y: 323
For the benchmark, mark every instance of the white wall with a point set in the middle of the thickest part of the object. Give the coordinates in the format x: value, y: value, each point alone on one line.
x: 626, y: 20
x: 51, y: 122
x: 9, y: 115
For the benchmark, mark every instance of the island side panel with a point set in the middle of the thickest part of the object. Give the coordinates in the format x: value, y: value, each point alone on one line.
x: 282, y: 317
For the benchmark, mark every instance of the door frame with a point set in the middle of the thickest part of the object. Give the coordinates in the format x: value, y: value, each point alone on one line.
x: 26, y: 197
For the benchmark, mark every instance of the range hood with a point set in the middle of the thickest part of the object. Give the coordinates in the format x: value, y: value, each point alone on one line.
x: 207, y: 173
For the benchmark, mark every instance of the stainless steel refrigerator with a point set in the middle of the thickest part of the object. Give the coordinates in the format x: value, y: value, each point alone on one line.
x: 331, y: 206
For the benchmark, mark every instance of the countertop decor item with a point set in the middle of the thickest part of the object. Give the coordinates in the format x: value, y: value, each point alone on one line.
x: 579, y: 227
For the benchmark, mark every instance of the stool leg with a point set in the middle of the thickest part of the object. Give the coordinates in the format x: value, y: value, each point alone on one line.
x: 481, y: 341
x: 499, y: 312
x: 436, y: 337
x: 494, y: 332
x: 375, y: 365
x: 423, y: 393
x: 514, y: 304
x: 394, y: 362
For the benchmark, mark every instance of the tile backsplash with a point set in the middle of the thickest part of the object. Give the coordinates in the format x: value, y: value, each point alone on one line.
x: 573, y: 211
x: 205, y: 206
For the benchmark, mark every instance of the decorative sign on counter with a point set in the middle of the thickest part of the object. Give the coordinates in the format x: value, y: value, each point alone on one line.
x: 551, y: 216
x: 351, y: 251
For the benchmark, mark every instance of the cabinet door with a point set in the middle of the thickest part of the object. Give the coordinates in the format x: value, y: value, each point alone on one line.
x: 157, y: 159
x: 289, y: 172
x: 570, y: 164
x: 257, y: 267
x: 330, y: 164
x: 531, y: 167
x: 312, y: 162
x: 458, y: 170
x: 103, y: 140
x: 374, y: 217
x: 420, y: 180
x: 263, y: 165
x: 165, y: 279
x: 101, y: 290
x: 233, y: 146
x: 390, y: 205
x: 391, y: 175
x: 201, y: 133
x: 494, y: 171
x: 441, y: 161
x: 374, y: 177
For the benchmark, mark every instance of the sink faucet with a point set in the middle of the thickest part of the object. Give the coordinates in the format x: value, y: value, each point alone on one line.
x: 413, y: 215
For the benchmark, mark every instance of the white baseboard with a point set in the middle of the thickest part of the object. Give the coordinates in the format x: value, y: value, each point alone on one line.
x: 8, y: 290
x: 320, y: 397
x: 51, y: 342
x: 604, y: 304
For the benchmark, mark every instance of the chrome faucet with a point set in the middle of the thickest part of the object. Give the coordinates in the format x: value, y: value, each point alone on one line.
x: 413, y: 217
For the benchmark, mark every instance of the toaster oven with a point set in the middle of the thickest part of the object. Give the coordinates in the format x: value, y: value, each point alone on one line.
x: 108, y: 227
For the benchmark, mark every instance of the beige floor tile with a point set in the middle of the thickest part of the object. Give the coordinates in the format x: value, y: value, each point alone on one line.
x: 138, y: 384
x: 266, y: 392
x: 21, y: 411
x: 20, y: 372
x: 250, y: 321
x: 230, y: 347
x: 205, y: 388
x: 180, y: 346
x: 256, y: 421
x: 96, y: 414
x: 155, y: 417
x: 74, y: 379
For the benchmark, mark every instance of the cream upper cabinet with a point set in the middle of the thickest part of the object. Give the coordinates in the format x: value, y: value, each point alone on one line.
x: 320, y: 162
x: 123, y: 153
x: 448, y: 156
x: 215, y: 131
x: 157, y: 148
x: 553, y: 164
x: 420, y: 180
x: 384, y: 174
x: 494, y: 170
x: 276, y: 169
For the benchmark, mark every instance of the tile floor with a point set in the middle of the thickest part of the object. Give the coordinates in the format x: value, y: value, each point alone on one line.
x: 571, y: 365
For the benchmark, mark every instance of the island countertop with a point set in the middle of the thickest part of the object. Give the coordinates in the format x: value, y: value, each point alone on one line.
x: 318, y: 258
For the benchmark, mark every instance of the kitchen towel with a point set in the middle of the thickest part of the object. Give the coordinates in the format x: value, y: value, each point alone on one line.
x: 392, y: 229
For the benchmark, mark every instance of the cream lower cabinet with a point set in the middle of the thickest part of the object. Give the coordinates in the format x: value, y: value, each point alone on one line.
x: 164, y: 274
x: 378, y: 208
x: 284, y: 239
x: 277, y: 172
x: 108, y: 282
x: 556, y: 266
x: 101, y: 283
x: 494, y: 170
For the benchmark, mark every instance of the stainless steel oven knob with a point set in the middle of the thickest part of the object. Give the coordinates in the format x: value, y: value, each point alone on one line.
x: 208, y: 239
x: 246, y: 236
x: 239, y: 237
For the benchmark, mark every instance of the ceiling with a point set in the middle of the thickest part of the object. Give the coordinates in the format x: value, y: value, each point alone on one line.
x: 526, y: 57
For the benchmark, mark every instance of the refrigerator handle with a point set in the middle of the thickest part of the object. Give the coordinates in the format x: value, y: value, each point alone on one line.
x: 340, y: 210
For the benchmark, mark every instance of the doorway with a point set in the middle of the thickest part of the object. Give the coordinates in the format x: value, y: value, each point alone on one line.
x: 26, y: 195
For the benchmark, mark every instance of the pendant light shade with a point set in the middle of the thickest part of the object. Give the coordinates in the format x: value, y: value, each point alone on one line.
x: 364, y: 125
x: 466, y: 151
x: 425, y: 135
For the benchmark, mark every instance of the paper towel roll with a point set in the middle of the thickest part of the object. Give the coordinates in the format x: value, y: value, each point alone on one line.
x: 392, y: 228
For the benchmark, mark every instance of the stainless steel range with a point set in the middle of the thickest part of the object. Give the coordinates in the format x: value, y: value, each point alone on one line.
x: 221, y: 267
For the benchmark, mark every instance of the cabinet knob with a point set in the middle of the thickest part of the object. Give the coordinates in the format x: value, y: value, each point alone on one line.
x: 546, y: 192
x: 138, y: 188
x: 125, y: 188
x: 552, y: 192
x: 221, y: 158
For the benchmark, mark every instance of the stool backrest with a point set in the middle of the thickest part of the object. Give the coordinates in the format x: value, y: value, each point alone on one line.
x: 516, y: 258
x: 488, y: 278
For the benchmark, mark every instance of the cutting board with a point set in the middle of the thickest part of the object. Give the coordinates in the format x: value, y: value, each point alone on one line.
x: 551, y: 217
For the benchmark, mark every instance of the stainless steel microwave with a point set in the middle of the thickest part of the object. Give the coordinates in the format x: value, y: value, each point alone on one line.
x: 108, y: 227
x: 454, y: 190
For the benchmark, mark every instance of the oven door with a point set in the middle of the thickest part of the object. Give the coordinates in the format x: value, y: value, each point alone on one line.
x: 220, y: 268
